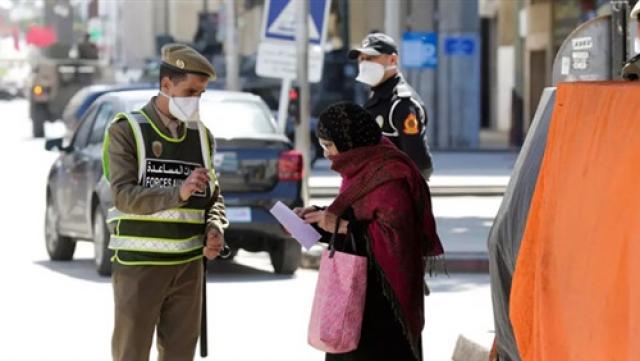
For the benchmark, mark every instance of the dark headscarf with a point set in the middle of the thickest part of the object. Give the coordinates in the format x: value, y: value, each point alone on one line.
x: 348, y: 126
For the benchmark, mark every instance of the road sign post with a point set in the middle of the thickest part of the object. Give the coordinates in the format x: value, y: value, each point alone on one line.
x: 277, y: 51
x: 303, y: 141
x: 291, y: 48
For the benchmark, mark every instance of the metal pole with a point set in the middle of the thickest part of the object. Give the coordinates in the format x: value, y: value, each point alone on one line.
x: 344, y: 23
x: 166, y: 17
x: 303, y: 140
x: 283, y: 105
x: 516, y: 133
x: 392, y: 19
x: 619, y: 12
x: 435, y: 122
x: 231, y: 47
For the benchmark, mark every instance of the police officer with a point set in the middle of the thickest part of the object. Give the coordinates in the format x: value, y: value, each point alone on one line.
x: 167, y: 201
x: 394, y: 105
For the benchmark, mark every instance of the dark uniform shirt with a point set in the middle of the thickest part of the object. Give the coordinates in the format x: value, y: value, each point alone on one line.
x: 401, y: 114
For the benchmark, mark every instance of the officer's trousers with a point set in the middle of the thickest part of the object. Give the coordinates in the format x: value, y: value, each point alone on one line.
x: 166, y: 298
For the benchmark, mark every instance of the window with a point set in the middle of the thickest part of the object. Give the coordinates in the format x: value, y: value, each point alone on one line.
x: 236, y: 118
x: 105, y: 114
x: 82, y: 134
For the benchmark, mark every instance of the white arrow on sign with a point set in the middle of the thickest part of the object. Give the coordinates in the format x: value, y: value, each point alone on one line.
x: 285, y: 23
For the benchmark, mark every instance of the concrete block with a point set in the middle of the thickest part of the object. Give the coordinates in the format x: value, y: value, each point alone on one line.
x: 467, y: 350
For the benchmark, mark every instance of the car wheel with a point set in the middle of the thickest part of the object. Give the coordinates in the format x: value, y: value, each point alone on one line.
x: 38, y: 117
x: 285, y: 257
x: 60, y: 248
x: 102, y: 253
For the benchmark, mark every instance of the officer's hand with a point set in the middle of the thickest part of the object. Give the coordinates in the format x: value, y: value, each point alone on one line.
x: 196, y: 182
x: 301, y: 212
x: 215, y: 244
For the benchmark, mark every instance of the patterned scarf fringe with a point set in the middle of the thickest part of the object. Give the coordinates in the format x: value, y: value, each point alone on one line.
x: 389, y: 294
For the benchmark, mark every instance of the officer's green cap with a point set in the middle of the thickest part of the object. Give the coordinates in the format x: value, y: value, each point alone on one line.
x: 187, y: 59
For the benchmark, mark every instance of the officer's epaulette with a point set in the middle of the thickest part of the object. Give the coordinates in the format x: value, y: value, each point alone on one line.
x: 403, y: 90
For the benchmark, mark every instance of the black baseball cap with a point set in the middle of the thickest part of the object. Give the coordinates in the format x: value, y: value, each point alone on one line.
x: 375, y: 44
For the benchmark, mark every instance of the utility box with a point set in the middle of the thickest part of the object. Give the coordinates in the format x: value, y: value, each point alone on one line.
x: 585, y: 55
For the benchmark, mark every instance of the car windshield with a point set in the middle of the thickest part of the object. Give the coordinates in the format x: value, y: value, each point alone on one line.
x: 236, y: 118
x: 232, y: 118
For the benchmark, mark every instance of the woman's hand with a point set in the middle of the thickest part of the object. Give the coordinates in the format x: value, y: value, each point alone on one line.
x: 326, y: 221
x: 301, y: 212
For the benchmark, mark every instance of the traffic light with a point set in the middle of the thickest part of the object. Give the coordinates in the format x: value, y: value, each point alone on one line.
x: 294, y: 104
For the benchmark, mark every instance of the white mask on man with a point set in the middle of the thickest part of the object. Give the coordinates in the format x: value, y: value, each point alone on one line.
x: 184, y: 108
x: 371, y: 73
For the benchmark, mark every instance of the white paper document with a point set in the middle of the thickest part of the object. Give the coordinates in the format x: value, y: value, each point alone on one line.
x: 304, y: 233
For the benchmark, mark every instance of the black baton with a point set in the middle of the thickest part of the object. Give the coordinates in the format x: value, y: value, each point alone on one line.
x: 204, y: 347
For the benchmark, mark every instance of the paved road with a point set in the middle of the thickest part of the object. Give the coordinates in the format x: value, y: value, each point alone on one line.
x: 63, y: 311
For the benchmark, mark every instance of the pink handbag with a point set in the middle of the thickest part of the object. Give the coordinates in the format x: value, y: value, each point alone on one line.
x: 338, y: 305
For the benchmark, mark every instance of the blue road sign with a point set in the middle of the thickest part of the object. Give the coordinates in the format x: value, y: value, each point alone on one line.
x: 459, y: 45
x: 280, y: 20
x: 419, y: 50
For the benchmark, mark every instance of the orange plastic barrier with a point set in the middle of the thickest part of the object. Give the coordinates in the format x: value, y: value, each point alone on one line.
x: 576, y: 288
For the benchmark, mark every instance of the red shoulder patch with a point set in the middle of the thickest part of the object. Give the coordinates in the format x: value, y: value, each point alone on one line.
x: 411, y: 125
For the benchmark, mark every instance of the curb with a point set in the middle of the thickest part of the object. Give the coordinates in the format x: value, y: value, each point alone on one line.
x: 330, y: 192
x: 455, y: 262
x: 472, y: 262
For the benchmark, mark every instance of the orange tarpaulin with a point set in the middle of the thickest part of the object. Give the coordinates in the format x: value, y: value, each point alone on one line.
x: 576, y: 288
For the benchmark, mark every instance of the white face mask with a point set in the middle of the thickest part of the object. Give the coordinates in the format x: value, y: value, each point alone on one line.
x: 371, y: 73
x: 636, y: 45
x: 184, y: 108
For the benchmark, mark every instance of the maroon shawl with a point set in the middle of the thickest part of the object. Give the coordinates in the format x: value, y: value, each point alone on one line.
x: 386, y: 190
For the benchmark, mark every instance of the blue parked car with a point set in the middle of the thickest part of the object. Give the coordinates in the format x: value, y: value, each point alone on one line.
x: 83, y: 98
x: 255, y: 163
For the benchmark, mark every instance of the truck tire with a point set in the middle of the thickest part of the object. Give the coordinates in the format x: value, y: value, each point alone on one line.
x: 60, y: 248
x: 285, y: 257
x: 39, y: 115
x: 101, y: 254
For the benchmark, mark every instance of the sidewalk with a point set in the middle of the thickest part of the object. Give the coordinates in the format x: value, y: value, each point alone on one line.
x: 456, y: 173
x: 466, y: 188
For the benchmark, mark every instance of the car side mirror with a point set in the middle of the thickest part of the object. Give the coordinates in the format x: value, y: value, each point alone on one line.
x: 53, y: 144
x: 54, y: 133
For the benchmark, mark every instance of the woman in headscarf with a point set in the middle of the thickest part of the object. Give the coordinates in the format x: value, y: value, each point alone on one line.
x: 385, y: 204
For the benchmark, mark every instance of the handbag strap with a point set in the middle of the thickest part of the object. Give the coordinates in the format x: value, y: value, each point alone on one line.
x: 332, y: 245
x: 332, y: 242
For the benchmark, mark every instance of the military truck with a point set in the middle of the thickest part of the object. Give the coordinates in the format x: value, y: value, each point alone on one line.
x: 54, y: 82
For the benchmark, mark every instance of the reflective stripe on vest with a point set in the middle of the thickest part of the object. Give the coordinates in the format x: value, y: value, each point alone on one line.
x: 130, y: 243
x: 176, y: 215
x: 137, y: 136
x: 206, y: 155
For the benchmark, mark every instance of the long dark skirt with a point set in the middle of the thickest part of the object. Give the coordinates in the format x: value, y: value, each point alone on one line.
x: 382, y: 338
